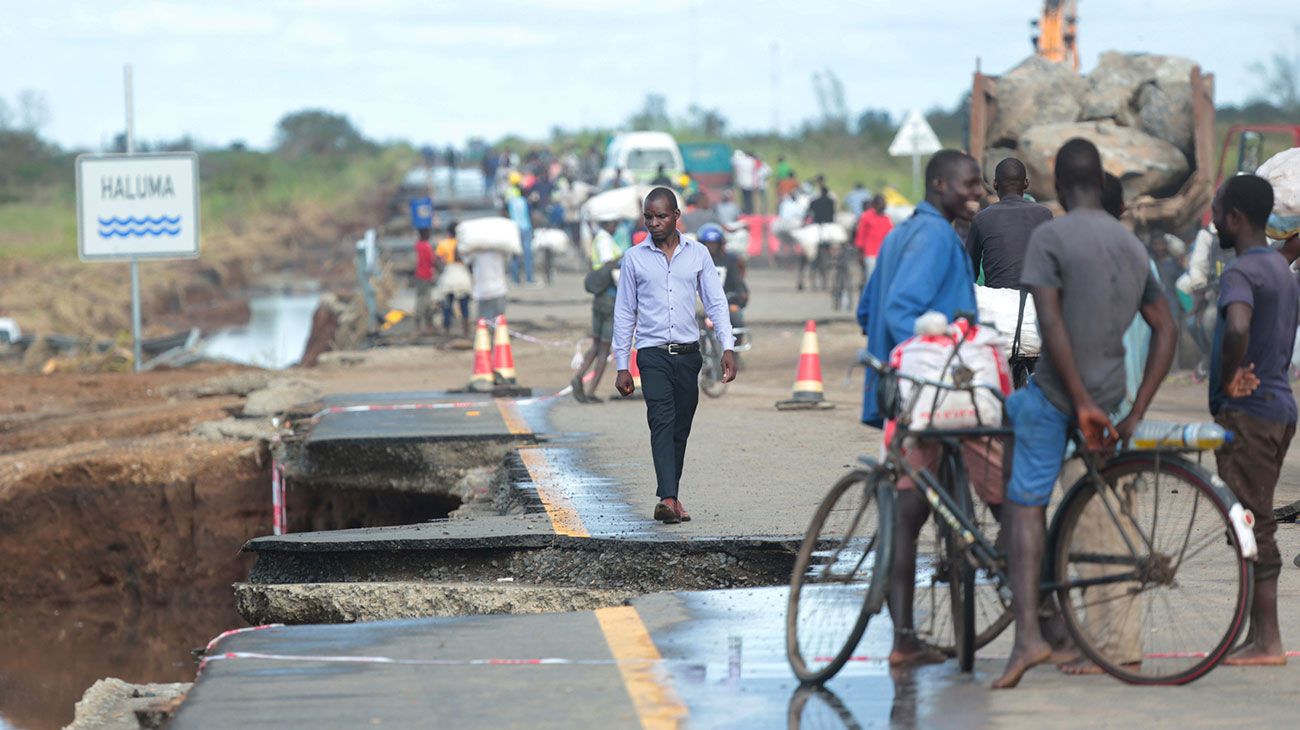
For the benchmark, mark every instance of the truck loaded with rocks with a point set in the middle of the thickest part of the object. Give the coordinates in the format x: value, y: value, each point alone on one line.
x: 1151, y: 116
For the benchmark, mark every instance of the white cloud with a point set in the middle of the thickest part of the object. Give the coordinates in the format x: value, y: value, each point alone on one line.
x: 171, y: 19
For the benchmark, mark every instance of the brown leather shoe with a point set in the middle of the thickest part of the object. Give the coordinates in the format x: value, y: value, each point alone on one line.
x: 682, y: 514
x: 665, y: 513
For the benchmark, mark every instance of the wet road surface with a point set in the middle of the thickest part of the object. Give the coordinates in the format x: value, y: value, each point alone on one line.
x: 708, y: 659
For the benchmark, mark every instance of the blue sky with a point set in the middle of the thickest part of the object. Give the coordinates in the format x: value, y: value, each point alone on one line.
x: 444, y: 70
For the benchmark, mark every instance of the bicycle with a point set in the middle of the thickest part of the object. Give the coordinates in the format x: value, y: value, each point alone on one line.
x: 841, y: 278
x: 711, y: 354
x: 1143, y: 536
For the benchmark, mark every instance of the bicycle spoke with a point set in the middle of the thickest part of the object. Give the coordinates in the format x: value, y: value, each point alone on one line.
x: 1148, y: 613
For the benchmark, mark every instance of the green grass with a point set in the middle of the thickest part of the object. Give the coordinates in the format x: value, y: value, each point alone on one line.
x: 843, y: 160
x: 234, y: 185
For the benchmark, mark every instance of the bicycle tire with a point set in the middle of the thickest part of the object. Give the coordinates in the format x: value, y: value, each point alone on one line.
x: 933, y: 604
x: 810, y: 655
x: 1087, y: 544
x: 961, y: 573
x: 711, y: 371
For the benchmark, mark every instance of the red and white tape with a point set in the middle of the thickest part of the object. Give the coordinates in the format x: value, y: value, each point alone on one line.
x: 278, y: 512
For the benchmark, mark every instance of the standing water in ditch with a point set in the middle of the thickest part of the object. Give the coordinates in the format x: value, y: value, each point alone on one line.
x: 275, y: 336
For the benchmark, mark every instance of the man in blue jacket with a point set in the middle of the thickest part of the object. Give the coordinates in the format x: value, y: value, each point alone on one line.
x: 922, y: 266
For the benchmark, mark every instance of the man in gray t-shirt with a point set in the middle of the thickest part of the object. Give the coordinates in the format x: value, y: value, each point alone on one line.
x: 1103, y: 276
x: 1089, y: 276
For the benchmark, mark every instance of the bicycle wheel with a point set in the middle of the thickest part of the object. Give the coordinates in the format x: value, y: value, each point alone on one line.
x: 1166, y: 610
x: 932, y: 608
x: 711, y: 372
x: 840, y: 575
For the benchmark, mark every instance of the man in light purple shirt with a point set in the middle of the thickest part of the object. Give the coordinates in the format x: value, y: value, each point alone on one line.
x: 656, y: 298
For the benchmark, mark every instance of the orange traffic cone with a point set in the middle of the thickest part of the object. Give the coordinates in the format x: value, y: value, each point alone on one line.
x: 808, y: 391
x: 503, y: 359
x: 481, y: 380
x: 636, y: 372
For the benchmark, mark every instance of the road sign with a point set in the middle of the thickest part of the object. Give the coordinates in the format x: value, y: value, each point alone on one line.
x: 138, y: 206
x: 915, y: 137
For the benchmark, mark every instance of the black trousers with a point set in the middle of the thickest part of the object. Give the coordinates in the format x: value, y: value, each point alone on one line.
x: 670, y: 384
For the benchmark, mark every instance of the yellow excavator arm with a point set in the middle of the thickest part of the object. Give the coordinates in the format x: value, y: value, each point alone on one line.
x: 1056, y: 33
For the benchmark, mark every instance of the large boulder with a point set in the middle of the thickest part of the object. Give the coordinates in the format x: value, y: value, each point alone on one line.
x: 1035, y: 92
x: 1146, y: 165
x: 1110, y: 90
x: 1115, y: 89
x: 1165, y: 112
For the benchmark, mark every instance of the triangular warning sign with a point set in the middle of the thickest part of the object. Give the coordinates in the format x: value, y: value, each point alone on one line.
x: 915, y: 137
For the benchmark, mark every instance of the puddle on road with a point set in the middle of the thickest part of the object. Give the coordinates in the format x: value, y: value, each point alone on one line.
x: 728, y: 664
x: 275, y: 336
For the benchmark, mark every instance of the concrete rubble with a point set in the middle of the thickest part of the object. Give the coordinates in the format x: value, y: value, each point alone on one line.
x: 281, y: 396
x: 111, y: 704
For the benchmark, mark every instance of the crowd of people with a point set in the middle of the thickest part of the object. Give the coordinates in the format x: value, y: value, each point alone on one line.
x: 1091, y: 281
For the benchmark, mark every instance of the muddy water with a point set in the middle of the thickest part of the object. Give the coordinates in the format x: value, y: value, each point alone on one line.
x: 51, y: 657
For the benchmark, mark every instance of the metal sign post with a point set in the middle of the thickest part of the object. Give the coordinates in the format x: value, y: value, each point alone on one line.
x: 136, y: 207
x: 136, y: 349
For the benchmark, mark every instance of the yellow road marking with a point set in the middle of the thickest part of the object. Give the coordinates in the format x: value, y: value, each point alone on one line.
x: 564, y: 516
x: 657, y: 705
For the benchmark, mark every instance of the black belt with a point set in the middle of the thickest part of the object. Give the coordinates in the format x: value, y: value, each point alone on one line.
x: 679, y: 348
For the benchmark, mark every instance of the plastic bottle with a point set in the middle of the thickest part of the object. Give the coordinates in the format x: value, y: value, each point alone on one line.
x: 1153, y: 435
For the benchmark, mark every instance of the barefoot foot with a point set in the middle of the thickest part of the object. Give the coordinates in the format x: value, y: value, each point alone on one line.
x: 1021, y: 661
x: 1252, y: 655
x: 915, y: 656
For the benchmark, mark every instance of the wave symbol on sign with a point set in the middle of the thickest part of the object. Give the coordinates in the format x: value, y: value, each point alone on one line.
x: 141, y: 227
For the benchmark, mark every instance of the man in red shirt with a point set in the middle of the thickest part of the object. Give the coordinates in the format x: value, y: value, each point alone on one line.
x: 873, y: 226
x: 424, y: 273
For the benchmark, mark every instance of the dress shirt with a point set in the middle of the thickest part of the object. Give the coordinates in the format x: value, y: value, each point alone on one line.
x: 656, y: 298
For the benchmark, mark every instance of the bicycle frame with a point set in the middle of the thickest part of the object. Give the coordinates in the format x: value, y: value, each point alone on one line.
x: 976, y: 545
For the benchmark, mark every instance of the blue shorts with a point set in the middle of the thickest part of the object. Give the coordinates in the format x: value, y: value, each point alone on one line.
x: 1042, y: 432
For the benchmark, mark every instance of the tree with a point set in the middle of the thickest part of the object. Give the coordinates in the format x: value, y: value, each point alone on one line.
x: 6, y: 116
x: 876, y: 124
x: 1281, y: 82
x: 706, y: 122
x: 652, y: 116
x: 33, y: 110
x: 952, y: 126
x: 830, y: 99
x: 318, y: 133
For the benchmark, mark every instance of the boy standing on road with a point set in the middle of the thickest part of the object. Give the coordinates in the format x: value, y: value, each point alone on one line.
x: 425, y: 267
x: 1088, y: 275
x: 604, y: 258
x: 1250, y: 393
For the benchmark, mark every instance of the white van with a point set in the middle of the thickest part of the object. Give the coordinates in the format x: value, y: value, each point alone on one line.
x: 639, y: 155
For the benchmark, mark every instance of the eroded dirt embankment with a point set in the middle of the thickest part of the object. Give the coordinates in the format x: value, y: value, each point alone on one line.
x: 120, y: 530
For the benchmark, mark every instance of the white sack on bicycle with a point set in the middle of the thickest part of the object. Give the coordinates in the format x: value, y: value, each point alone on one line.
x: 811, y: 236
x: 1000, y: 308
x: 937, y: 357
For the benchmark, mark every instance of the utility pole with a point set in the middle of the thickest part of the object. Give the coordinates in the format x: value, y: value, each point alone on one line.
x: 776, y: 88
